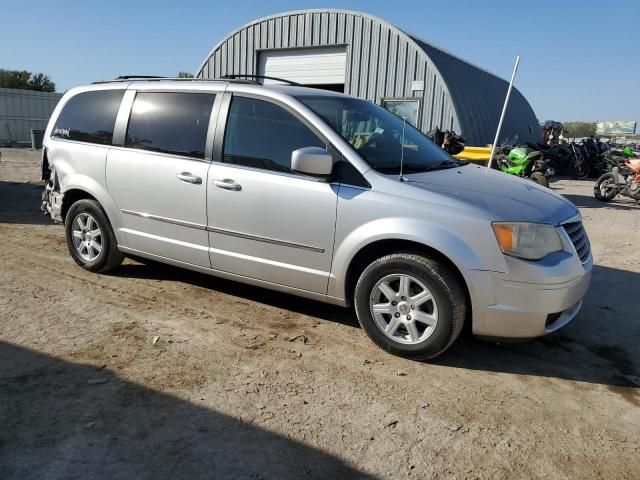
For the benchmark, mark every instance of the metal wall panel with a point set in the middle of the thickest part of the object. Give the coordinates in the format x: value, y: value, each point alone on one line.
x: 382, y: 62
x: 22, y: 110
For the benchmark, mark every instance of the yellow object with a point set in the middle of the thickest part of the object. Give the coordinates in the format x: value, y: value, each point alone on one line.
x: 475, y: 154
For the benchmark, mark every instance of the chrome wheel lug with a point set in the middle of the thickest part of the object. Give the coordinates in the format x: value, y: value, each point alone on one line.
x: 408, y: 317
x: 413, y: 307
x: 394, y: 303
x: 404, y: 298
x: 397, y: 314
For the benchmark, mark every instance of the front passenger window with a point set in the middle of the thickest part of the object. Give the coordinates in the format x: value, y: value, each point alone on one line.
x: 262, y: 135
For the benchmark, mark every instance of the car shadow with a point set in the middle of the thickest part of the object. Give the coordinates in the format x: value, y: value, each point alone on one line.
x: 599, y: 346
x: 586, y: 201
x: 20, y: 203
x: 68, y: 420
x: 151, y: 270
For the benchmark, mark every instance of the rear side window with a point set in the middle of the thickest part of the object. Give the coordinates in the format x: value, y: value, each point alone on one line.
x: 89, y: 117
x: 174, y: 123
x: 260, y: 134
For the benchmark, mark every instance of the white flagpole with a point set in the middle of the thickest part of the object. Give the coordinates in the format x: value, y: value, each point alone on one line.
x: 504, y: 111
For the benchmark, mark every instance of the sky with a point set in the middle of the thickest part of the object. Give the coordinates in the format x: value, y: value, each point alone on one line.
x: 580, y: 60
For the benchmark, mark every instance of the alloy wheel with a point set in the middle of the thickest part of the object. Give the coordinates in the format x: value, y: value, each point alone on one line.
x: 403, y: 308
x: 87, y: 237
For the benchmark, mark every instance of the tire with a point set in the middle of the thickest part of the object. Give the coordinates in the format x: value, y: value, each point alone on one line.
x: 540, y: 179
x: 83, y: 220
x: 410, y: 337
x: 579, y: 170
x: 601, y: 190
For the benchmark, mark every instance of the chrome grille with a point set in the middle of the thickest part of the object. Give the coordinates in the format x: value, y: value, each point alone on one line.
x: 579, y: 238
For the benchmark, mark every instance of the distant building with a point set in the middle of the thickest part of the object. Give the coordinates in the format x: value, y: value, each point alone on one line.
x: 367, y: 57
x: 22, y: 110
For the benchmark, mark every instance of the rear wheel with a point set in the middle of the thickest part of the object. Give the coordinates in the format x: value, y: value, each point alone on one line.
x: 90, y: 238
x: 540, y: 179
x: 410, y: 305
x: 605, y: 188
x: 579, y: 170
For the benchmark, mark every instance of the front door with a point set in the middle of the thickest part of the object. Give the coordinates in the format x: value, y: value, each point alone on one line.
x: 159, y: 178
x: 265, y: 221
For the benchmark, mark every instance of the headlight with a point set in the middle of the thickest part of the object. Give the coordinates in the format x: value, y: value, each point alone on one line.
x: 531, y: 241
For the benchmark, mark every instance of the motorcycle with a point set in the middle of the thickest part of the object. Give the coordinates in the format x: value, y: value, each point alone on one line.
x: 565, y: 159
x: 524, y: 162
x: 623, y: 179
x: 451, y: 142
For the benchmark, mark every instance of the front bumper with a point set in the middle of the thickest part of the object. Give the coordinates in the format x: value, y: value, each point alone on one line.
x: 503, y: 308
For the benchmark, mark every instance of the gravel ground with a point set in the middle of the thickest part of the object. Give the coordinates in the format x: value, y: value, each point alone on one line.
x: 154, y: 372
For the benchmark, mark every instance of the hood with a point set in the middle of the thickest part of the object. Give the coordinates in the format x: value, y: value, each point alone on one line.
x: 509, y: 198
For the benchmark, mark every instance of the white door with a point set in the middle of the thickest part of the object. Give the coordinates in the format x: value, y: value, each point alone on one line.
x: 159, y: 178
x: 265, y: 221
x: 307, y: 66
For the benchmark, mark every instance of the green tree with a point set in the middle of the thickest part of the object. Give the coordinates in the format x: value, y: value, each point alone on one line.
x: 579, y: 129
x: 24, y: 80
x: 41, y: 82
x: 185, y: 75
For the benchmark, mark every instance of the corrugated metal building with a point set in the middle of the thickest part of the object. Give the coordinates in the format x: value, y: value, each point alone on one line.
x: 22, y: 110
x: 367, y: 57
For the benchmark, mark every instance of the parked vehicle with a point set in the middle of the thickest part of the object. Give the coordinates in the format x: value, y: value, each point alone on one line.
x: 451, y: 142
x: 524, y: 162
x: 564, y: 159
x: 623, y: 180
x: 317, y: 194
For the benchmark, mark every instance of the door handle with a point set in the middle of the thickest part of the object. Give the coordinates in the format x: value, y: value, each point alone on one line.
x: 228, y: 184
x: 189, y: 178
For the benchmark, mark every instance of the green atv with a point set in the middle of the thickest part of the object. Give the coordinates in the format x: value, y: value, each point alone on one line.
x: 524, y: 162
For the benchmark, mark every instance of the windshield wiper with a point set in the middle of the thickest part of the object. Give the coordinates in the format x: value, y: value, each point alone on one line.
x: 417, y: 167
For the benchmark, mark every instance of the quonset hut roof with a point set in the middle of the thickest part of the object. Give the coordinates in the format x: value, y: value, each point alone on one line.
x: 382, y: 62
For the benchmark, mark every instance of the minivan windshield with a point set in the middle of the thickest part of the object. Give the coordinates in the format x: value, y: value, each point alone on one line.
x: 377, y: 135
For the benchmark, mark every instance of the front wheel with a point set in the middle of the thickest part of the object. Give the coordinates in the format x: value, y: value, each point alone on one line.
x: 90, y: 238
x: 540, y: 179
x: 605, y: 188
x: 410, y: 305
x: 579, y: 170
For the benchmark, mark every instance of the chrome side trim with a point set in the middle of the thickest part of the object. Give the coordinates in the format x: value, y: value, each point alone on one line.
x: 223, y: 232
x: 165, y: 219
x: 265, y: 239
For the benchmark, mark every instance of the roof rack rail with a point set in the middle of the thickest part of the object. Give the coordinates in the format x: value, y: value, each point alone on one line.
x: 239, y: 76
x: 131, y: 77
x: 151, y: 78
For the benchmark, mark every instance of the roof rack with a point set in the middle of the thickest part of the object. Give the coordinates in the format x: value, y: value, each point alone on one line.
x: 152, y: 78
x: 237, y: 76
x: 132, y: 77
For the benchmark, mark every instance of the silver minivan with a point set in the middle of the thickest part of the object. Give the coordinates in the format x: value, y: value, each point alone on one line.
x: 317, y: 194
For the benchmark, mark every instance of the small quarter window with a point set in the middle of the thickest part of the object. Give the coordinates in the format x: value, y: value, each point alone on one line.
x: 89, y: 117
x: 174, y: 123
x: 260, y: 134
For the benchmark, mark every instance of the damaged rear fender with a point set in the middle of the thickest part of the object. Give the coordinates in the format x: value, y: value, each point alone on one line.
x: 59, y: 192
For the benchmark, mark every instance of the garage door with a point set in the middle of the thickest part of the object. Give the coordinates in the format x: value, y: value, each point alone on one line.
x: 308, y: 66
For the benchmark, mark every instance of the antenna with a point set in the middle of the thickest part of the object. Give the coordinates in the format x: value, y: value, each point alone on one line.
x: 400, y: 177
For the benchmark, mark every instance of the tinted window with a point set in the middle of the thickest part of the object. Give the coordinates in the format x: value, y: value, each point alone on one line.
x: 89, y: 117
x: 262, y: 135
x: 173, y: 123
x: 382, y: 139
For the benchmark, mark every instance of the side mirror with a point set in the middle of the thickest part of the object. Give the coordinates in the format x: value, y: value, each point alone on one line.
x: 314, y: 161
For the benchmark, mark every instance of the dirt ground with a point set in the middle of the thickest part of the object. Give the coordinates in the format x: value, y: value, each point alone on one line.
x: 247, y: 383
